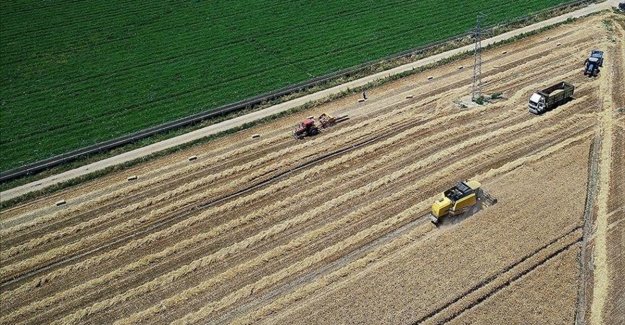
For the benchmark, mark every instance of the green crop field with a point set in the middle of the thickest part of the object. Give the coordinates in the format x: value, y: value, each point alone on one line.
x: 75, y: 73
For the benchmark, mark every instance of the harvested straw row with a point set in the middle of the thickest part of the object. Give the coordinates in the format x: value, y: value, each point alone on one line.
x: 271, y: 279
x: 334, y: 250
x: 164, y: 280
x: 114, y: 194
x: 271, y: 211
x: 293, y: 153
x: 124, y: 226
x: 282, y: 302
x: 338, y: 275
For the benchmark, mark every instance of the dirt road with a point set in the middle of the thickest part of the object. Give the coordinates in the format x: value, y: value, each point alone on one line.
x: 333, y: 228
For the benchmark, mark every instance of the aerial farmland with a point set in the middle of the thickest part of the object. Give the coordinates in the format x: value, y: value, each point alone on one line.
x: 78, y: 73
x: 259, y: 226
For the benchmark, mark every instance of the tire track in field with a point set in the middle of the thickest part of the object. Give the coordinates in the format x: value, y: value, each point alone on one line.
x: 591, y: 190
x: 606, y: 130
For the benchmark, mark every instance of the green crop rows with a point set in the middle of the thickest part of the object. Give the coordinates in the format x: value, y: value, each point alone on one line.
x: 75, y: 73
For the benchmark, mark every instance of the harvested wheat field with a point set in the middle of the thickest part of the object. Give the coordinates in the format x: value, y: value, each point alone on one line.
x: 333, y: 229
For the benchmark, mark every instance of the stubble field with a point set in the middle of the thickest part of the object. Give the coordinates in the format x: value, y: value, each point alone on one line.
x: 332, y: 229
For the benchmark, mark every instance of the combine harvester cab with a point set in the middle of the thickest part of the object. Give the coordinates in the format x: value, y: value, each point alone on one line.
x: 459, y: 200
x: 550, y: 97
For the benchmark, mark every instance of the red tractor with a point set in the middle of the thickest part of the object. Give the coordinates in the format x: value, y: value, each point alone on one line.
x: 306, y: 128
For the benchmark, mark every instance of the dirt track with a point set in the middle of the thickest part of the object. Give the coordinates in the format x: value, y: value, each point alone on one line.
x: 277, y: 229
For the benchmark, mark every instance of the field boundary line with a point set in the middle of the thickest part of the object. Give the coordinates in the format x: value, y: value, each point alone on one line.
x: 601, y: 271
x: 591, y: 189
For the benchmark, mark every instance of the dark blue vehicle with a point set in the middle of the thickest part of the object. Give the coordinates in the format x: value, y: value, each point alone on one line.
x: 593, y: 63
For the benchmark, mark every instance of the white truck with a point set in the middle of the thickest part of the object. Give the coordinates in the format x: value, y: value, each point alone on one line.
x: 550, y: 97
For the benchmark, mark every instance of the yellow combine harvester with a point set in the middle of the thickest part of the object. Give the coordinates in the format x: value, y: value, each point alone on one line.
x: 459, y: 200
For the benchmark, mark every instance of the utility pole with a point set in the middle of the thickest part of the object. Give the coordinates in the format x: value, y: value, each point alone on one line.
x: 476, y: 91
